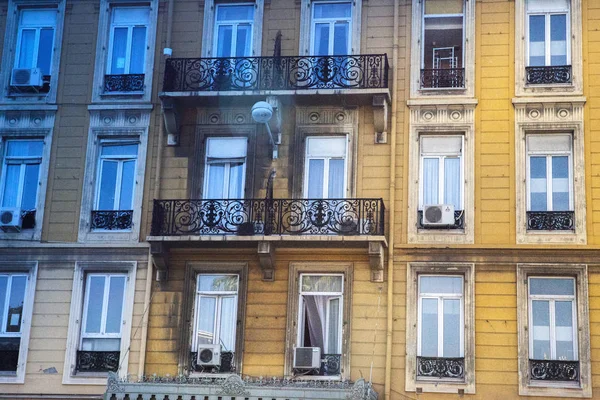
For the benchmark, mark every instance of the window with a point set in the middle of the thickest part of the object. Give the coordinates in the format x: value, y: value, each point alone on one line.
x: 233, y: 30
x: 100, y: 341
x: 325, y: 167
x: 215, y: 324
x: 225, y: 168
x: 116, y: 182
x: 548, y: 29
x: 549, y: 182
x: 442, y: 53
x: 127, y: 49
x: 20, y: 178
x: 331, y: 28
x: 13, y: 288
x: 320, y: 319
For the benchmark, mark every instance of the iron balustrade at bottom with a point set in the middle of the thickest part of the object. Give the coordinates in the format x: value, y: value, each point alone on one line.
x: 111, y: 220
x: 547, y: 75
x: 554, y: 370
x: 441, y: 367
x: 125, y: 83
x: 9, y: 354
x: 550, y: 220
x: 443, y: 78
x: 268, y: 217
x: 369, y: 71
x: 97, y: 361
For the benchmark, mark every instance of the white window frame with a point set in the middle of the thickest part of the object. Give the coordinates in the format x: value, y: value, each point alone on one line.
x: 547, y: 43
x: 302, y: 321
x: 129, y: 27
x: 424, y: 17
x: 527, y: 387
x: 551, y: 299
x: 76, y: 316
x: 121, y: 159
x: 234, y: 24
x: 549, y: 155
x: 30, y: 270
x: 326, y: 159
x: 440, y: 297
x: 331, y: 22
x: 23, y: 161
x: 442, y: 170
x: 38, y: 27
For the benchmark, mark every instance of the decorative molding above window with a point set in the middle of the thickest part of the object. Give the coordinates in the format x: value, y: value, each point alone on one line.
x: 548, y: 60
x: 553, y: 116
x: 442, y: 120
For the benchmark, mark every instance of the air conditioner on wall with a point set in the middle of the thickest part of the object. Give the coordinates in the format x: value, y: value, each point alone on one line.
x: 307, y: 357
x: 10, y: 219
x: 28, y: 77
x: 438, y: 215
x: 209, y: 354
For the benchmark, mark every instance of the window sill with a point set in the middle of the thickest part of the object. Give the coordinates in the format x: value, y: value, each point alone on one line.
x: 443, y: 386
x: 557, y: 389
x: 122, y: 94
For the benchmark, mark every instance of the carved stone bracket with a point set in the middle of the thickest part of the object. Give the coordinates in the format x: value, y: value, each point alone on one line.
x: 376, y: 258
x: 380, y: 118
x: 170, y: 116
x: 266, y: 257
x: 160, y: 260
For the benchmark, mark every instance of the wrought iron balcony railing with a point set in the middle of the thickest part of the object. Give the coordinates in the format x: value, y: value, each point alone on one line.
x: 9, y: 354
x: 446, y: 78
x: 548, y: 75
x: 268, y: 217
x: 276, y: 73
x: 124, y: 83
x: 550, y: 220
x: 459, y: 221
x: 554, y: 370
x: 440, y: 367
x: 111, y: 220
x: 97, y: 361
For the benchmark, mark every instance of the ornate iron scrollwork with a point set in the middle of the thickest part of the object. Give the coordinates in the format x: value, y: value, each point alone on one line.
x: 550, y: 220
x: 111, y: 220
x: 459, y: 221
x: 331, y: 364
x: 447, y: 78
x: 441, y: 367
x: 227, y: 364
x: 98, y: 361
x: 268, y: 216
x: 276, y: 73
x: 554, y: 370
x: 548, y: 75
x: 124, y: 83
x: 9, y: 354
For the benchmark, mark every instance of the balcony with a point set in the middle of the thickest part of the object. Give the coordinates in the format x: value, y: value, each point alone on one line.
x: 128, y: 83
x: 548, y: 75
x: 233, y: 387
x: 441, y: 367
x: 443, y: 78
x: 550, y: 220
x: 554, y: 370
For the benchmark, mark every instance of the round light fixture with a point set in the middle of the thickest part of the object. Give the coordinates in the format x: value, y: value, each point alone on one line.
x: 262, y: 112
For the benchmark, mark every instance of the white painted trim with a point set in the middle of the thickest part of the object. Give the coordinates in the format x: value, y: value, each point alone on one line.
x: 76, y: 313
x: 30, y: 268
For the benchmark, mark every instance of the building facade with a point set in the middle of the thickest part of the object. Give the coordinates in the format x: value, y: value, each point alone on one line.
x: 299, y: 199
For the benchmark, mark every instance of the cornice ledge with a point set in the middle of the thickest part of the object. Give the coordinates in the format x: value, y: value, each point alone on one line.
x: 579, y: 100
x: 447, y: 101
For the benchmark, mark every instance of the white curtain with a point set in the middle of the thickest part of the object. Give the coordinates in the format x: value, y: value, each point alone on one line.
x: 336, y: 179
x: 431, y: 180
x: 452, y: 182
x: 228, y: 319
x: 315, y: 178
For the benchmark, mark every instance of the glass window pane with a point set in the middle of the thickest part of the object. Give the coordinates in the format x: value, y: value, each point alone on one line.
x: 452, y: 328
x: 44, y: 61
x: 114, y: 311
x: 206, y: 319
x: 452, y: 182
x: 321, y: 40
x: 243, y: 41
x: 333, y: 10
x: 3, y: 288
x: 321, y: 283
x: 11, y: 185
x: 138, y: 50
x: 94, y: 306
x: 235, y: 13
x: 540, y: 314
x: 127, y: 184
x: 537, y: 41
x: 443, y: 42
x: 431, y: 181
x: 224, y: 40
x: 30, y: 186
x: 108, y: 181
x: 119, y: 149
x: 537, y: 184
x: 26, y: 49
x: 236, y: 181
x: 316, y: 170
x: 24, y: 148
x: 119, y: 51
x: 15, y: 303
x: 341, y: 32
x: 228, y: 323
x: 565, y: 349
x: 333, y: 342
x: 217, y: 283
x: 336, y: 179
x: 216, y: 177
x: 560, y: 183
x: 101, y: 344
x: 558, y: 40
x: 441, y: 284
x: 552, y: 286
x: 429, y: 328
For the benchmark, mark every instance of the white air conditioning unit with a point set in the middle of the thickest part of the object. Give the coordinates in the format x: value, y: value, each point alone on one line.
x: 438, y: 215
x: 31, y: 77
x: 10, y: 219
x: 307, y: 357
x: 209, y: 354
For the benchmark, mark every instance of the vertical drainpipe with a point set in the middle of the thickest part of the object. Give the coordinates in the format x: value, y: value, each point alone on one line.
x: 392, y: 207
